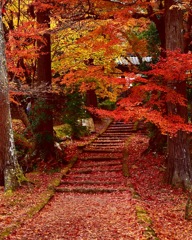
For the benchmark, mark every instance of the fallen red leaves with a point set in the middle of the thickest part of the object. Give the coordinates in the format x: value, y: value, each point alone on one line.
x: 15, y: 207
x: 165, y: 205
x: 82, y: 216
x: 102, y: 216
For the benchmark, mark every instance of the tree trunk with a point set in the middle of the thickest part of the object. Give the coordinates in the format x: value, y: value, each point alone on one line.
x: 157, y: 142
x: 91, y: 99
x: 174, y: 29
x: 10, y: 172
x: 44, y: 128
x: 179, y: 169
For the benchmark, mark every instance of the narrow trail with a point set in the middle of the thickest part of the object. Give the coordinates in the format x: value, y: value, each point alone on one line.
x: 93, y: 201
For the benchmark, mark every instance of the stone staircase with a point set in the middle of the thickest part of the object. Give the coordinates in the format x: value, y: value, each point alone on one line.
x: 99, y: 166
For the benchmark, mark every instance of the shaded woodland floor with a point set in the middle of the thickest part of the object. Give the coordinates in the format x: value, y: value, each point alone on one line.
x: 147, y: 209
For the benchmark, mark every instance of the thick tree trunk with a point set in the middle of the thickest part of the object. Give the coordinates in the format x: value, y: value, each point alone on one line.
x: 91, y: 99
x: 174, y: 30
x: 10, y: 171
x: 43, y: 114
x: 157, y: 142
x: 179, y: 163
x: 179, y: 169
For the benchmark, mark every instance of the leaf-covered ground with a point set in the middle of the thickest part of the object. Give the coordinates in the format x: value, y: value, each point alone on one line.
x: 150, y: 209
x: 164, y: 204
x: 80, y: 216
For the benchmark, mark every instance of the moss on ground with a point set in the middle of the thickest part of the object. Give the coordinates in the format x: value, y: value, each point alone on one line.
x: 63, y: 130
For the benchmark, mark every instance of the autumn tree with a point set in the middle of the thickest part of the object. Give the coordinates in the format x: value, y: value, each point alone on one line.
x: 29, y: 48
x: 172, y: 38
x: 179, y: 169
x: 179, y: 164
x: 42, y: 119
x: 10, y: 172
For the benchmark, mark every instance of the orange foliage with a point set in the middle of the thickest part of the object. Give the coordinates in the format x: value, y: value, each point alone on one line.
x: 147, y: 99
x: 173, y: 67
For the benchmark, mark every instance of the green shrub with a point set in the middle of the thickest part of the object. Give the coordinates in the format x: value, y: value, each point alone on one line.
x: 107, y: 105
x: 73, y: 112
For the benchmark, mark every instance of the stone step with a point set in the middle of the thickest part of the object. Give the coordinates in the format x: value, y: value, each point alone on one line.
x: 116, y: 133
x: 89, y: 190
x: 100, y: 157
x: 111, y: 138
x: 121, y: 125
x: 119, y: 133
x: 106, y: 145
x: 109, y: 144
x: 108, y: 141
x: 91, y: 170
x: 122, y: 122
x: 93, y: 177
x: 97, y: 159
x: 120, y: 129
x: 88, y: 182
x: 100, y: 163
x: 102, y: 150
